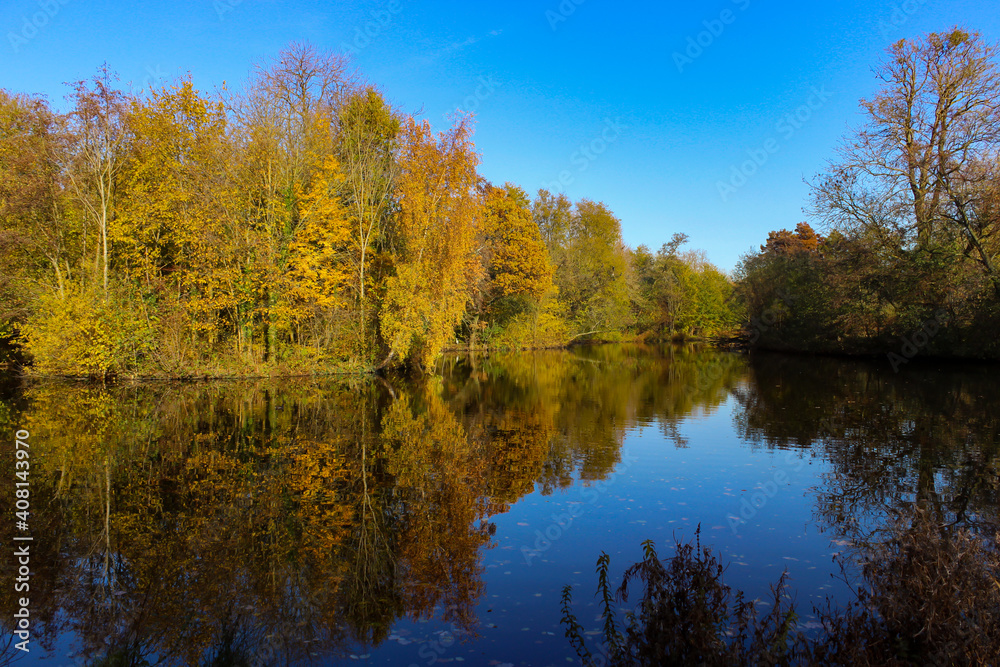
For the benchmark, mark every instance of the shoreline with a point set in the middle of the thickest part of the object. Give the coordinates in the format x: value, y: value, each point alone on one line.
x: 739, y: 344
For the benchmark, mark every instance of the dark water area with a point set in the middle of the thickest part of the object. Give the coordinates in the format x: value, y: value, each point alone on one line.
x: 415, y: 522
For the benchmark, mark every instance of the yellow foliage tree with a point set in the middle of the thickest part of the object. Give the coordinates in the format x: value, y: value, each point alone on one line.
x: 440, y: 210
x: 169, y: 229
x: 316, y: 267
x: 518, y: 262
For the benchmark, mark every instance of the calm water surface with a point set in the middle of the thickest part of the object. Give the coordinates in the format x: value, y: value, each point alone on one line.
x: 406, y: 522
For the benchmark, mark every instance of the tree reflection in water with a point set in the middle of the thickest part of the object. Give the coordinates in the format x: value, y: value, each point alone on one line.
x: 928, y: 435
x: 271, y: 521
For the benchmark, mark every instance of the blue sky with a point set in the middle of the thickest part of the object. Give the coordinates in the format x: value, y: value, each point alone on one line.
x: 648, y: 107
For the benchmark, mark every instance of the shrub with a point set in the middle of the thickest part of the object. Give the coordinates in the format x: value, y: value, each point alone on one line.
x: 86, y: 333
x: 532, y: 331
x: 687, y: 615
x: 929, y: 595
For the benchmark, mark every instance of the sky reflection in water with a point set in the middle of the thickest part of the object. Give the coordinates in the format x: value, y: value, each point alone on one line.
x: 413, y: 521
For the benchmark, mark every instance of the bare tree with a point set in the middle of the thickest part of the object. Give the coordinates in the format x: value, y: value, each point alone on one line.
x: 917, y: 176
x: 302, y: 89
x: 285, y: 126
x: 101, y: 136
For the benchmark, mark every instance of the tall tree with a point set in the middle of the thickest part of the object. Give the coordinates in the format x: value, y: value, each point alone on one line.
x: 516, y: 261
x: 552, y: 214
x: 286, y: 125
x: 169, y: 228
x: 593, y: 278
x: 41, y: 232
x: 440, y: 212
x: 367, y: 132
x: 101, y: 136
x: 318, y: 272
x: 916, y: 175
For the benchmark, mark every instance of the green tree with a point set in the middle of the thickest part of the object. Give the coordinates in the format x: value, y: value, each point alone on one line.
x: 367, y: 132
x: 593, y: 275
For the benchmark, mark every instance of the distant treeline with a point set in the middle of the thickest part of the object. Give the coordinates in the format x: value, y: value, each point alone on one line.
x: 300, y: 224
x: 911, y: 210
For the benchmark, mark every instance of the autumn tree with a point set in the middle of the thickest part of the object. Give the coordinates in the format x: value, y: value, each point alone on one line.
x: 318, y: 271
x: 439, y: 214
x: 910, y: 202
x: 290, y: 93
x: 169, y: 232
x: 57, y: 187
x: 367, y: 132
x: 784, y: 242
x: 100, y: 134
x: 299, y: 223
x: 285, y: 124
x: 515, y: 257
x: 40, y: 233
x: 440, y: 476
x: 917, y: 176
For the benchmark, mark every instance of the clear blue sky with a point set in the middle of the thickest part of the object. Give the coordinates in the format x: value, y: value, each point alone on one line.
x: 545, y: 78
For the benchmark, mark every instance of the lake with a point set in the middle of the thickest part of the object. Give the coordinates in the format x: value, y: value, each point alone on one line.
x: 412, y: 522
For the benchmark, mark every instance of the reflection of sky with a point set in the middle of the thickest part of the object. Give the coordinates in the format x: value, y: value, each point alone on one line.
x: 673, y: 477
x: 658, y: 491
